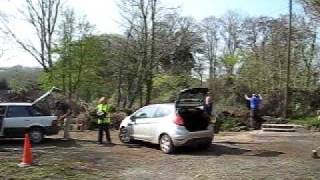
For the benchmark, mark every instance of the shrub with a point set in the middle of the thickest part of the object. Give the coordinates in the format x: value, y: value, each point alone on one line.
x: 307, y: 121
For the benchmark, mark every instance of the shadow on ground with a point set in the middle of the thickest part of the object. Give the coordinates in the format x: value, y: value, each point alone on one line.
x: 223, y: 149
x: 216, y: 149
x: 58, y: 142
x: 11, y: 142
x: 232, y: 142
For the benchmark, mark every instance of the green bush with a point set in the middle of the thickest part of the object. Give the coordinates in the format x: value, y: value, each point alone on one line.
x: 307, y: 121
x: 229, y: 123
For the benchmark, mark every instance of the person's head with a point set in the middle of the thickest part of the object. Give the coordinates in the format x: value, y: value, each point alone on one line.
x: 103, y: 100
x: 58, y: 103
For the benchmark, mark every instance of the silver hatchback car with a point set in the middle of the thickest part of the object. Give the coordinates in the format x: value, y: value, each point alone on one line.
x: 171, y: 125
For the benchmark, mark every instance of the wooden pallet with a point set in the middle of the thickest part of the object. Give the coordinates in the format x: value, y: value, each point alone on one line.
x: 280, y: 127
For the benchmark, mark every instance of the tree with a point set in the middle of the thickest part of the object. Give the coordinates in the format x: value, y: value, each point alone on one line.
x: 42, y: 15
x: 210, y: 30
x: 150, y: 69
x: 136, y: 13
x: 142, y: 19
x: 183, y: 41
x: 312, y: 7
x: 2, y: 36
x: 263, y: 58
x: 230, y: 33
x: 81, y: 57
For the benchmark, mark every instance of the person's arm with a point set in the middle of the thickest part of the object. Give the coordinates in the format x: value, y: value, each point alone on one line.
x: 260, y: 97
x: 69, y: 112
x: 108, y: 111
x: 246, y: 97
x: 61, y: 118
x: 67, y: 109
x: 99, y: 113
x: 65, y: 115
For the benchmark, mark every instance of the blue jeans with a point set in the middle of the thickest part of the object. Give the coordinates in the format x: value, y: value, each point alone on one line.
x: 208, y: 109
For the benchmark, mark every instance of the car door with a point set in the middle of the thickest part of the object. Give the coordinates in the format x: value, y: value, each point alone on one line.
x: 160, y: 119
x: 16, y: 121
x: 142, y: 119
x: 2, y: 115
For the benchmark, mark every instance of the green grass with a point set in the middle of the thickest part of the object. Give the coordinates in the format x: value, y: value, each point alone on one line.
x: 65, y: 169
x: 307, y: 121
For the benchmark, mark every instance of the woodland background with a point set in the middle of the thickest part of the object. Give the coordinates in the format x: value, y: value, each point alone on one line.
x: 162, y: 52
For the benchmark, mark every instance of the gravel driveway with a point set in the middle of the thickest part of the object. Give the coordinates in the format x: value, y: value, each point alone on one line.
x: 244, y: 155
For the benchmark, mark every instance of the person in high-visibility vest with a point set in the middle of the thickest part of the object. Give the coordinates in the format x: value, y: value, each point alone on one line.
x: 104, y: 121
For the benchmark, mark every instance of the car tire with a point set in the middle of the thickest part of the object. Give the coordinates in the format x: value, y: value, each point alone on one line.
x: 36, y: 135
x: 166, y: 144
x: 124, y: 137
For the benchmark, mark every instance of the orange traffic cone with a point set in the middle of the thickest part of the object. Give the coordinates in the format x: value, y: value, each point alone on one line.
x: 27, y: 153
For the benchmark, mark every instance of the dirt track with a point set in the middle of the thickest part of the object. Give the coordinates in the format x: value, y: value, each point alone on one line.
x: 232, y: 156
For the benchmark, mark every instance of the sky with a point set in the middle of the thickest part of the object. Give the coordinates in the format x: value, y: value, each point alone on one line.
x: 104, y: 14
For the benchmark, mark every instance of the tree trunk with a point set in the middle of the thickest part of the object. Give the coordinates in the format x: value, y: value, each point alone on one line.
x: 152, y: 58
x: 119, y: 88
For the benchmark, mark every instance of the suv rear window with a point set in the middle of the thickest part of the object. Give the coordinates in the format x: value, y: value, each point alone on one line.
x: 19, y: 111
x: 36, y: 111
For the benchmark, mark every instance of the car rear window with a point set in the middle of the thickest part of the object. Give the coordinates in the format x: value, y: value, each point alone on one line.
x: 18, y: 111
x: 36, y: 111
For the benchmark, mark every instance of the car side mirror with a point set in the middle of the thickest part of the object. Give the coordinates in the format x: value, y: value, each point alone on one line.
x: 142, y: 115
x: 133, y: 118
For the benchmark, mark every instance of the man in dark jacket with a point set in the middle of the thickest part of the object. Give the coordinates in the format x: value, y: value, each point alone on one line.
x: 63, y: 111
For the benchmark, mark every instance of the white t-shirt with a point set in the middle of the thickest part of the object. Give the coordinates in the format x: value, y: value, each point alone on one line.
x: 208, y: 100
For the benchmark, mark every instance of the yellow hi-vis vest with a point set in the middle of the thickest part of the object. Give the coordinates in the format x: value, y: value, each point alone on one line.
x: 105, y: 108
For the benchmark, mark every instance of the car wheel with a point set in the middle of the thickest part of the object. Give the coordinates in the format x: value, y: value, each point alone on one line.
x: 124, y: 135
x: 36, y: 135
x: 166, y: 144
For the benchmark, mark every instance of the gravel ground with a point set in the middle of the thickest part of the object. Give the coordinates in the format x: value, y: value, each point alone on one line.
x: 244, y: 155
